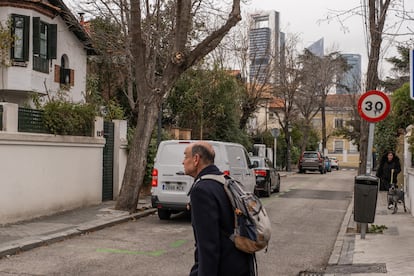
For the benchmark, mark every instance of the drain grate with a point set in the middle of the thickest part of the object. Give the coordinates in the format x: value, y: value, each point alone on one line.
x: 356, y: 268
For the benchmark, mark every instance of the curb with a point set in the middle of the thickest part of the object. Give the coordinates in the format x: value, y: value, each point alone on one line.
x: 29, y: 243
x: 339, y: 243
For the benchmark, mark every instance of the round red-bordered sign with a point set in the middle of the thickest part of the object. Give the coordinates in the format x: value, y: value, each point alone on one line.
x: 374, y: 106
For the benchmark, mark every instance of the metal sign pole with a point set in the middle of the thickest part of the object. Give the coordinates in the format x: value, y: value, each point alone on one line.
x: 370, y: 145
x: 412, y: 74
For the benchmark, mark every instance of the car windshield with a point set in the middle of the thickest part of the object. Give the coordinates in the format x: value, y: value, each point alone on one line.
x: 257, y: 162
x: 310, y: 155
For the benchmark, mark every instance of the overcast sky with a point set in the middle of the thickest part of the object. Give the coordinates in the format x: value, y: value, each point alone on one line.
x: 302, y: 17
x: 305, y: 18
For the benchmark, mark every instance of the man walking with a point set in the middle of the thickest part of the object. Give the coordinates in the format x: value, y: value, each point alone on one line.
x: 212, y: 219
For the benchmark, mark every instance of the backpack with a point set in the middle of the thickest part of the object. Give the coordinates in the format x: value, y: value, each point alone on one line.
x: 252, y: 227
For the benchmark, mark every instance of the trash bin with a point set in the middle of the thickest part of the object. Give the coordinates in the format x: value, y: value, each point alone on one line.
x: 365, y: 198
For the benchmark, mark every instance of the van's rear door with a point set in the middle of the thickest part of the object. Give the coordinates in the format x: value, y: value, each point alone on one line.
x: 239, y: 166
x: 173, y: 185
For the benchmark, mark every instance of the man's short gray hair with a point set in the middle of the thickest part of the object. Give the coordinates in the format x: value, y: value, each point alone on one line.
x: 205, y: 154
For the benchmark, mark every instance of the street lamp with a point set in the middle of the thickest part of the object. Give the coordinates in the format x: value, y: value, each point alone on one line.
x: 289, y: 159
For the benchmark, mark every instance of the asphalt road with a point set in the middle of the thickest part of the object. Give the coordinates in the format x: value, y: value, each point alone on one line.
x: 306, y: 217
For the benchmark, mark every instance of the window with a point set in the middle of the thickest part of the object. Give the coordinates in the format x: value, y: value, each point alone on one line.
x: 20, y: 32
x: 352, y: 147
x: 261, y: 22
x: 236, y: 159
x: 44, y: 44
x: 317, y: 122
x: 339, y: 123
x: 339, y: 146
x: 63, y: 74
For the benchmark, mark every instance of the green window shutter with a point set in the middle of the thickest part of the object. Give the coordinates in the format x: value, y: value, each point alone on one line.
x: 36, y: 36
x: 51, y: 41
x: 26, y: 32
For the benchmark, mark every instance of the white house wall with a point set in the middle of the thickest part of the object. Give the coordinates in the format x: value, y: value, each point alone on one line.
x: 45, y: 174
x: 26, y: 79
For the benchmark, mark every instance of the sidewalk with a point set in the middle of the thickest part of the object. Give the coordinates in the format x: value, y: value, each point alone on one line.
x: 389, y: 253
x: 27, y: 235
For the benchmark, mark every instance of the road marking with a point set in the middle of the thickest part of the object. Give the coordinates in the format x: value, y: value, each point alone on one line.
x: 158, y: 253
x: 178, y: 243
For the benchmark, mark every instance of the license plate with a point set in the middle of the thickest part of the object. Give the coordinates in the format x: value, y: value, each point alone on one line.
x: 173, y: 186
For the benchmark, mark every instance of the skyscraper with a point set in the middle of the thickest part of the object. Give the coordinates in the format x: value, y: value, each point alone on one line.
x: 264, y: 46
x: 317, y: 48
x: 350, y: 82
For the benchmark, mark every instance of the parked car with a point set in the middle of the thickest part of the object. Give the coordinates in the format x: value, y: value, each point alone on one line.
x: 311, y: 161
x: 267, y: 178
x: 334, y: 162
x: 328, y: 166
x: 169, y: 184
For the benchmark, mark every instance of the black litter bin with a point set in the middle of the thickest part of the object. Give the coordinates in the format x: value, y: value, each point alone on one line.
x: 365, y: 198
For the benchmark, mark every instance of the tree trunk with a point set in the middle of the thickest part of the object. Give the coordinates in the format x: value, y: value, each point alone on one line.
x: 323, y: 123
x: 305, y: 137
x: 376, y: 26
x: 137, y: 157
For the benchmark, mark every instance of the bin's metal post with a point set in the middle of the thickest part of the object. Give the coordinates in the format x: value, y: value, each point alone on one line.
x: 275, y: 154
x: 363, y: 230
x: 364, y: 225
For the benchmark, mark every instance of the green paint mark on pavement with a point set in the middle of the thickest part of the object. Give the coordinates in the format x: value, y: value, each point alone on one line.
x: 158, y: 253
x: 178, y: 243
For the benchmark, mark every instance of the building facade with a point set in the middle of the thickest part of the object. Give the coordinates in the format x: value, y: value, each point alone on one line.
x: 48, y: 53
x: 317, y: 48
x: 339, y: 110
x: 264, y: 47
x: 350, y: 82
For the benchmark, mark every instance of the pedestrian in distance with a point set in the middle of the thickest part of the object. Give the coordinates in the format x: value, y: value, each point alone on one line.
x: 211, y: 217
x: 387, y: 172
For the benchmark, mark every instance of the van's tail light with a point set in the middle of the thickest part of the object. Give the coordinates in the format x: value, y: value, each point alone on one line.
x: 226, y: 172
x: 154, y: 181
x: 260, y: 173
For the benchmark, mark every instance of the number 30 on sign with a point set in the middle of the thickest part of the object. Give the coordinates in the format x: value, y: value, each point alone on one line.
x: 374, y: 106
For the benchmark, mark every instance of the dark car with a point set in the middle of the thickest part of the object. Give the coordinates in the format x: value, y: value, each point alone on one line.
x: 267, y: 178
x: 312, y: 161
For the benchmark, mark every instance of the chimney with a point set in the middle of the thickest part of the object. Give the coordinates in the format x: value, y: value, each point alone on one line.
x: 81, y: 20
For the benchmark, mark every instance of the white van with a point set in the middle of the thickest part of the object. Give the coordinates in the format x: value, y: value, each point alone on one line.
x: 169, y: 184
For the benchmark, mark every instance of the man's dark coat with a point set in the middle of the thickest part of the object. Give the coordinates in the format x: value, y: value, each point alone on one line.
x: 212, y: 216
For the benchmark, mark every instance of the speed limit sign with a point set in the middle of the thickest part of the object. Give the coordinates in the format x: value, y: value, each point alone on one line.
x: 374, y: 106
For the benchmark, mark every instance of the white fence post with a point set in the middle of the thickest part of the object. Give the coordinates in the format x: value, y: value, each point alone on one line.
x: 120, y: 154
x: 10, y: 117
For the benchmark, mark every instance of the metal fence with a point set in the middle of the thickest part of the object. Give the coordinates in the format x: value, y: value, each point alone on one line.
x: 30, y: 120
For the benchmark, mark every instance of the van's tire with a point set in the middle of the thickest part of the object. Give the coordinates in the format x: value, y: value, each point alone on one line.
x: 277, y: 189
x: 268, y: 191
x: 164, y: 214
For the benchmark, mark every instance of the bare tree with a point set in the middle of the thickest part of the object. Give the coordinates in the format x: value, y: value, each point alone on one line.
x: 375, y: 14
x: 308, y: 96
x: 287, y: 89
x: 163, y: 39
x: 236, y: 49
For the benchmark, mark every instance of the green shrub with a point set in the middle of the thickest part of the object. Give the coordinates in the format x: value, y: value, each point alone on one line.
x: 64, y: 118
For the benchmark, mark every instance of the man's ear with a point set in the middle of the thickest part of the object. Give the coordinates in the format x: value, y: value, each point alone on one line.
x: 196, y: 159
